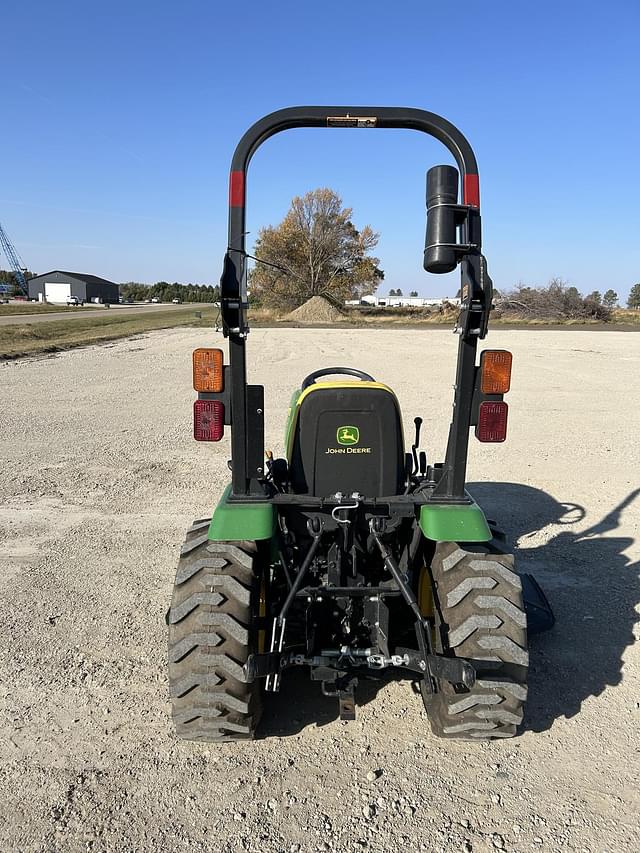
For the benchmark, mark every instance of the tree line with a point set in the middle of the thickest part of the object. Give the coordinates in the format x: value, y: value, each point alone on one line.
x: 166, y: 292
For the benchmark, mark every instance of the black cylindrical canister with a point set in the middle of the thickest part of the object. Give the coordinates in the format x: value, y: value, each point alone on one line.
x: 442, y: 190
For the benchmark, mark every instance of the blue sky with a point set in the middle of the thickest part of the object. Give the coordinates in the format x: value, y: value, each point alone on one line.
x: 121, y: 118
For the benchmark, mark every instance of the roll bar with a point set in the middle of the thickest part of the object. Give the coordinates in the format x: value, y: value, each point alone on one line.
x: 248, y: 431
x: 234, y: 279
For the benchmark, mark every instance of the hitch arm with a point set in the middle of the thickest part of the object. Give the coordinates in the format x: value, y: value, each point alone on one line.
x: 376, y: 527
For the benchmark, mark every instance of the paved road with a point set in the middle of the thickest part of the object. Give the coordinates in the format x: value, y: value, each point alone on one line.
x: 33, y: 317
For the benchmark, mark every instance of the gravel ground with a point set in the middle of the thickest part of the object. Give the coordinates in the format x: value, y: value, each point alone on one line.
x: 100, y: 478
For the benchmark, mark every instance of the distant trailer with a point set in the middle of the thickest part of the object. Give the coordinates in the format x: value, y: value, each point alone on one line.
x: 58, y: 286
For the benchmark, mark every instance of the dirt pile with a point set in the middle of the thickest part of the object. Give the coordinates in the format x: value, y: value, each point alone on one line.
x: 317, y: 310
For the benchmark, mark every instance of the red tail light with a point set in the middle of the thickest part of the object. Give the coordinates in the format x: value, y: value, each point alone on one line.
x: 208, y: 420
x: 492, y: 421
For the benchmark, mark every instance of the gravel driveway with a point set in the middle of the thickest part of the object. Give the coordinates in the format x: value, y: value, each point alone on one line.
x: 100, y: 478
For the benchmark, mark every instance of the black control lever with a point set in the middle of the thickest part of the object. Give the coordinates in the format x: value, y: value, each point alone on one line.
x: 416, y: 444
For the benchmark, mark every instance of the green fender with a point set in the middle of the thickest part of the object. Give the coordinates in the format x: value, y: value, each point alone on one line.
x: 454, y: 523
x: 236, y: 521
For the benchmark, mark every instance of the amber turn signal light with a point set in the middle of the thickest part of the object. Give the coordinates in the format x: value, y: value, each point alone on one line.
x: 208, y: 370
x: 495, y: 371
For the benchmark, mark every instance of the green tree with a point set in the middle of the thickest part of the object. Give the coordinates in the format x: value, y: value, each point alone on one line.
x: 413, y: 293
x: 634, y: 297
x: 166, y: 292
x: 610, y: 299
x: 399, y: 292
x: 392, y: 292
x: 596, y: 297
x: 135, y: 290
x: 315, y: 251
x: 573, y: 300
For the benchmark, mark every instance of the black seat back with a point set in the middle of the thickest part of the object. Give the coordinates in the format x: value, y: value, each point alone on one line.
x: 347, y: 438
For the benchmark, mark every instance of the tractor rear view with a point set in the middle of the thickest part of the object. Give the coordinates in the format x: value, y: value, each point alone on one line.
x: 349, y: 556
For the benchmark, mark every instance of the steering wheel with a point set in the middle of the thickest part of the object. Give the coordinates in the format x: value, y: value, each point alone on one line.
x: 329, y: 371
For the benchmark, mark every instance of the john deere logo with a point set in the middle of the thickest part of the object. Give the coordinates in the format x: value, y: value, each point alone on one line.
x: 348, y: 435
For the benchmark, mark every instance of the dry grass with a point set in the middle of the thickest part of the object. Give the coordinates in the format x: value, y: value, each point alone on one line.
x: 619, y: 317
x: 384, y: 318
x: 358, y: 317
x: 630, y: 316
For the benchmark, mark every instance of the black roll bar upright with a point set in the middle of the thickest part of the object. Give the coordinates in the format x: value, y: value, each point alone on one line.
x: 476, y: 288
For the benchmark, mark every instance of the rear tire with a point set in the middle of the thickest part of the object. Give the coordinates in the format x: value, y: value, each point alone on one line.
x: 211, y: 634
x: 480, y: 616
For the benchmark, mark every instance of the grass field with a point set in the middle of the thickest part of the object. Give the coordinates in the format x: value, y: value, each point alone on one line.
x: 32, y: 308
x: 31, y: 338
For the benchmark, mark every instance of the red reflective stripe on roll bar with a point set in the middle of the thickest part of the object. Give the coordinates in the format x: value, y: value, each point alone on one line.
x: 472, y: 190
x: 236, y: 189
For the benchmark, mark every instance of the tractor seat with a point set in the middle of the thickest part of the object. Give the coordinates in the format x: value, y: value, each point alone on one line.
x: 346, y: 437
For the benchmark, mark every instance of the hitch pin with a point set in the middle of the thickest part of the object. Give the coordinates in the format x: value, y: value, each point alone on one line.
x: 356, y: 496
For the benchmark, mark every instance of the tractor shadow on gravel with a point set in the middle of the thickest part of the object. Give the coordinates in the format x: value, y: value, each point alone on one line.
x: 592, y: 586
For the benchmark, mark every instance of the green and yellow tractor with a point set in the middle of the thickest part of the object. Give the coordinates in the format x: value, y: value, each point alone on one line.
x: 350, y: 556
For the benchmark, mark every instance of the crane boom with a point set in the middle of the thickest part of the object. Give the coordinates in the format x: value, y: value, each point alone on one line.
x: 15, y: 261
